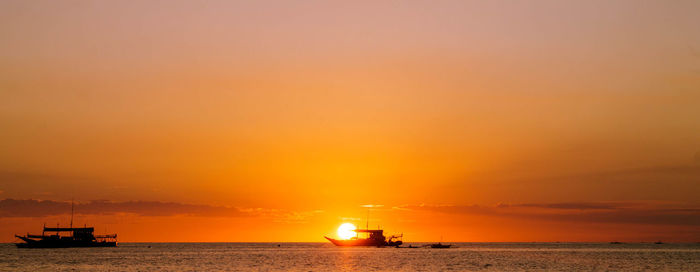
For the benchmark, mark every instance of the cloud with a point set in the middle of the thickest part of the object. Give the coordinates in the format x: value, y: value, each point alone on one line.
x: 568, y: 205
x: 294, y: 217
x: 584, y: 212
x: 40, y: 208
x: 653, y: 174
x: 37, y: 208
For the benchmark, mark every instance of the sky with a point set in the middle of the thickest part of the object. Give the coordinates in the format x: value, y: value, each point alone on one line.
x: 188, y: 121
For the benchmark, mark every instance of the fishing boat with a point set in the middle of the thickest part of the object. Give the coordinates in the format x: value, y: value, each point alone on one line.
x: 78, y: 237
x: 374, y: 238
x: 367, y: 237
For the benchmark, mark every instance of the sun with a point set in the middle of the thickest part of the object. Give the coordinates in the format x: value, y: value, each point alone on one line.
x: 345, y: 231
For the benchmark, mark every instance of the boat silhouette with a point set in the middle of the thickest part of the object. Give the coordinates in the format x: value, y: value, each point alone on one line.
x: 79, y: 237
x: 439, y: 245
x: 373, y: 237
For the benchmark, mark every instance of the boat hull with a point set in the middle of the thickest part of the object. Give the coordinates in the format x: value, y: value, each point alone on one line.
x: 440, y: 246
x: 362, y: 242
x: 64, y: 244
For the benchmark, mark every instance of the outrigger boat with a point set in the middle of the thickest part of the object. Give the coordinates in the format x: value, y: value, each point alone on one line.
x: 375, y: 238
x: 80, y: 237
x: 372, y: 238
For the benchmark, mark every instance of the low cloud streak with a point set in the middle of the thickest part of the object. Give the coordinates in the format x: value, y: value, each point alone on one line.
x: 584, y: 212
x: 41, y: 208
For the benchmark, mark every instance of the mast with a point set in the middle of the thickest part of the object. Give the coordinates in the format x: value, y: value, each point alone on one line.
x: 71, y: 213
x: 367, y: 226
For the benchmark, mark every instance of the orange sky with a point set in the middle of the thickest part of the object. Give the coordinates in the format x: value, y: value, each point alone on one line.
x: 275, y: 120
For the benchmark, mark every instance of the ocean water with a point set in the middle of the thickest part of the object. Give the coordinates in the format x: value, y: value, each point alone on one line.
x: 326, y: 257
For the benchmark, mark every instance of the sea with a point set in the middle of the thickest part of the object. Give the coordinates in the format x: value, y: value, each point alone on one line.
x: 326, y: 257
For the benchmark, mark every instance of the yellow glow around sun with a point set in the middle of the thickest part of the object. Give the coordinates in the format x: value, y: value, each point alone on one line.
x: 345, y: 231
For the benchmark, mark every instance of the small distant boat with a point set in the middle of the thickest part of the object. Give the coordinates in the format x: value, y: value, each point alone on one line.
x: 409, y: 246
x: 615, y: 243
x: 439, y: 245
x: 658, y: 242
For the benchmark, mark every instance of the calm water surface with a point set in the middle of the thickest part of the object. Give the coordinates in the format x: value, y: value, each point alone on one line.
x: 326, y: 257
